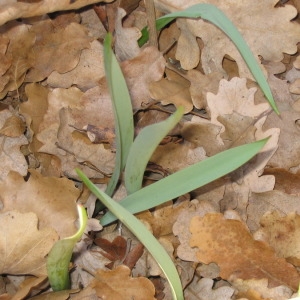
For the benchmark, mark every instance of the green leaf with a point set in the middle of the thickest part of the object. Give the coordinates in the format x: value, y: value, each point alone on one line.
x: 58, y: 259
x: 187, y: 179
x: 143, y: 234
x: 142, y: 149
x: 217, y: 17
x: 122, y: 112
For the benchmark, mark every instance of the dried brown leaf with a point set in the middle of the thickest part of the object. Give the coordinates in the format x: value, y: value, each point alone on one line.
x: 229, y: 244
x: 52, y: 199
x: 117, y: 284
x: 22, y: 246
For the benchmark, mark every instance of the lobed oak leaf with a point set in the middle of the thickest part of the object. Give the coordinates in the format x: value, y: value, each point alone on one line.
x: 21, y: 41
x: 52, y: 199
x: 229, y: 244
x: 13, y: 9
x: 126, y: 46
x: 117, y: 284
x: 23, y: 247
x: 261, y: 203
x: 267, y: 23
x: 140, y: 71
x: 87, y: 72
x: 56, y: 48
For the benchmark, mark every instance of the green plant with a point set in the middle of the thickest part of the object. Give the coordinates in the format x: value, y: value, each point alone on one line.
x: 134, y: 155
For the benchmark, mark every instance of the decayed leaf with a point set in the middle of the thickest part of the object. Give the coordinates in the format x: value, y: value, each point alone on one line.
x: 229, y: 244
x: 52, y: 199
x: 13, y: 9
x: 117, y: 284
x: 282, y: 233
x: 267, y: 23
x: 202, y: 289
x: 56, y: 48
x: 86, y: 74
x: 22, y: 246
x: 10, y: 154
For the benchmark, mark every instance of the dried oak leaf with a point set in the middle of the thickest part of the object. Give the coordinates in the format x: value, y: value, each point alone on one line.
x: 117, y: 284
x: 267, y: 23
x: 22, y: 246
x: 282, y: 232
x: 10, y: 154
x: 126, y: 46
x: 21, y: 41
x: 202, y: 289
x: 140, y: 71
x: 52, y: 199
x: 260, y: 203
x: 86, y: 74
x: 57, y: 48
x: 14, y: 9
x: 229, y: 244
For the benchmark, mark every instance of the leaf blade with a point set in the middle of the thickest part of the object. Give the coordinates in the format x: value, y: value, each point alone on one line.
x: 187, y: 180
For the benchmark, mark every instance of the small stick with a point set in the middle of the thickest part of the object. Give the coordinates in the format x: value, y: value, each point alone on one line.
x: 150, y: 9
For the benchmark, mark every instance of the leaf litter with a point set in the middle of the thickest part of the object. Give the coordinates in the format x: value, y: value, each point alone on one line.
x: 236, y: 238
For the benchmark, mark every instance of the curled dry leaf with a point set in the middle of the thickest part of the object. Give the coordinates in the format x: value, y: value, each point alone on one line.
x: 117, y: 284
x: 23, y: 247
x: 52, y: 199
x: 13, y: 9
x: 229, y: 244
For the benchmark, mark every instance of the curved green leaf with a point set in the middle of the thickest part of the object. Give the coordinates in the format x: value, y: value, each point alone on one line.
x: 143, y: 234
x: 212, y: 14
x: 187, y: 179
x: 122, y: 111
x: 142, y: 149
x: 58, y: 259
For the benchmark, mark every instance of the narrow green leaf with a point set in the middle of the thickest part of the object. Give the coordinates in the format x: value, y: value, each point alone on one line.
x: 187, y: 179
x: 142, y: 149
x: 143, y: 234
x: 217, y: 17
x: 122, y: 111
x: 58, y: 259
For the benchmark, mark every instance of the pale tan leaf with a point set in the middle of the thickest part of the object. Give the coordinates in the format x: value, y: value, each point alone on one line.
x: 23, y: 247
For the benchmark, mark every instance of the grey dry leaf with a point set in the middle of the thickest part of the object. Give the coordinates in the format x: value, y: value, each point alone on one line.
x: 23, y: 247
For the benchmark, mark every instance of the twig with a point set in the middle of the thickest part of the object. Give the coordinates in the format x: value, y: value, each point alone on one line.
x: 150, y: 9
